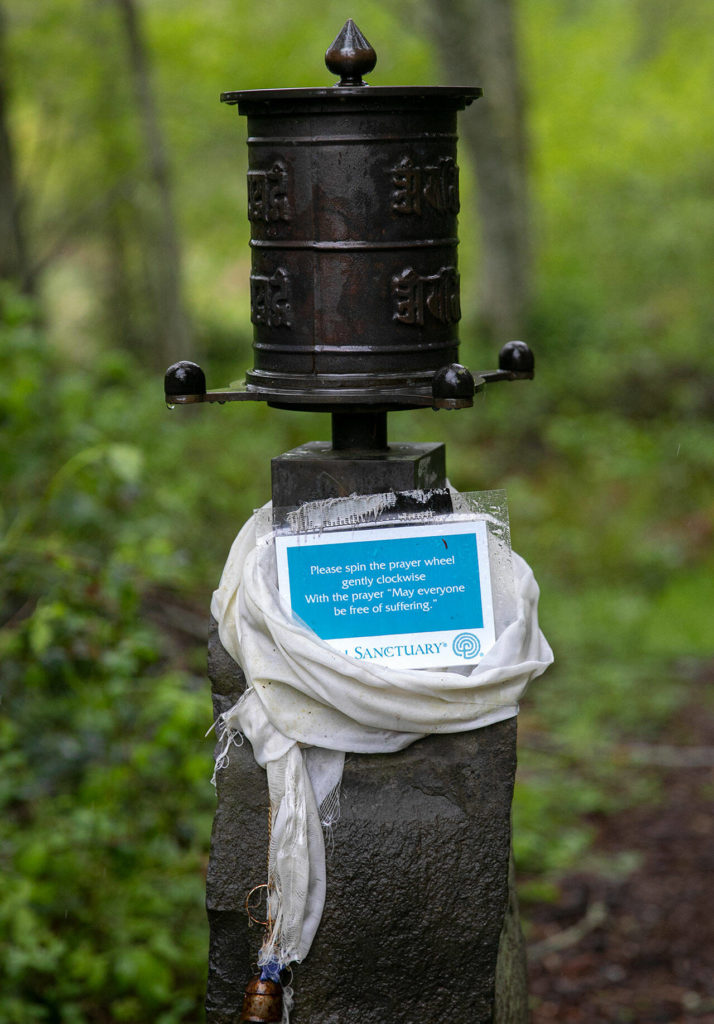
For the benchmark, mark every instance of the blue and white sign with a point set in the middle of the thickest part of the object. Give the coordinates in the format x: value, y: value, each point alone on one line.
x: 409, y: 596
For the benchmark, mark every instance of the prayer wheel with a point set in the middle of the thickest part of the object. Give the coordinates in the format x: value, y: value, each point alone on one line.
x: 352, y: 199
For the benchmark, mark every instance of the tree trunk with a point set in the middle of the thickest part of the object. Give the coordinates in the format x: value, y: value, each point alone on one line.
x: 477, y: 44
x: 173, y: 339
x: 13, y: 254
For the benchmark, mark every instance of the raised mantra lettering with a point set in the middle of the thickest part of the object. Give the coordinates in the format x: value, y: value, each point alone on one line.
x: 270, y: 299
x: 414, y: 296
x: 268, y: 198
x: 437, y: 187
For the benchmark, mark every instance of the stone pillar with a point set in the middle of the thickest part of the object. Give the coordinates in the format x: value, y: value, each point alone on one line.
x: 420, y: 922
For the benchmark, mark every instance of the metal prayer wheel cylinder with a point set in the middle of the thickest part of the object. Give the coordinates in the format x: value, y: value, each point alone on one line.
x: 262, y: 1002
x: 353, y: 196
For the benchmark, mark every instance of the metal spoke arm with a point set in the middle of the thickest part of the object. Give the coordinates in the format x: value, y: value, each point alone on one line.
x: 452, y: 387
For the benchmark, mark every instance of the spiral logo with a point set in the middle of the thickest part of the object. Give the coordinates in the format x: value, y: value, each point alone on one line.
x: 466, y: 645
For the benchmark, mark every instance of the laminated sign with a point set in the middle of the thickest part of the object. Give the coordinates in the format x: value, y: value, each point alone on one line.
x: 409, y: 596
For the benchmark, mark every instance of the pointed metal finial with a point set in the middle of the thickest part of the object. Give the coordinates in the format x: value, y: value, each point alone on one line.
x: 350, y: 56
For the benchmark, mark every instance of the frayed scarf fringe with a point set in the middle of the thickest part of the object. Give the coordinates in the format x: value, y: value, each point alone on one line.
x: 228, y: 734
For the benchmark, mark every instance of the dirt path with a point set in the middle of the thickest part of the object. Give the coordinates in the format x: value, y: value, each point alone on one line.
x: 639, y: 949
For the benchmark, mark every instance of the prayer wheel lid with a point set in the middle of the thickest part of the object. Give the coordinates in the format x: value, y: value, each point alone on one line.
x: 456, y: 97
x: 350, y: 56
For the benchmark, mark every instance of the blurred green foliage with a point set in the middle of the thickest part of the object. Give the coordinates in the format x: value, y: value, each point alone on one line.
x: 113, y: 508
x: 105, y: 807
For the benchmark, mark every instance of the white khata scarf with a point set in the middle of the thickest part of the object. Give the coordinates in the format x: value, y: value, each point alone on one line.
x: 306, y: 704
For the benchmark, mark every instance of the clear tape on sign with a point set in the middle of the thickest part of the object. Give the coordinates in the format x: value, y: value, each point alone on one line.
x: 417, y: 579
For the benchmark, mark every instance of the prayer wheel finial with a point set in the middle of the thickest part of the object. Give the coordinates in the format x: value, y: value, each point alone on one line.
x: 350, y: 56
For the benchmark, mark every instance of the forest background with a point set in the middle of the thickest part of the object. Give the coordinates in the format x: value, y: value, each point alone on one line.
x: 125, y: 247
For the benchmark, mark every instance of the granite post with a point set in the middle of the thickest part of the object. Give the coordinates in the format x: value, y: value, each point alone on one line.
x: 420, y: 920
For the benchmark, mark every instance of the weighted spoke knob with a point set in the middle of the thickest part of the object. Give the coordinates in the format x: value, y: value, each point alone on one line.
x: 184, y: 378
x: 516, y: 357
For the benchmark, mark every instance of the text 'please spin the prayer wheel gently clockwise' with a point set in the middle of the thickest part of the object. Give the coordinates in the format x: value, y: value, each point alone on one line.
x: 353, y: 197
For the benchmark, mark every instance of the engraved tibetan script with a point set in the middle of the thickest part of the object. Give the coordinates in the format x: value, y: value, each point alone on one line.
x: 414, y: 296
x: 270, y: 299
x: 268, y: 198
x: 437, y: 187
